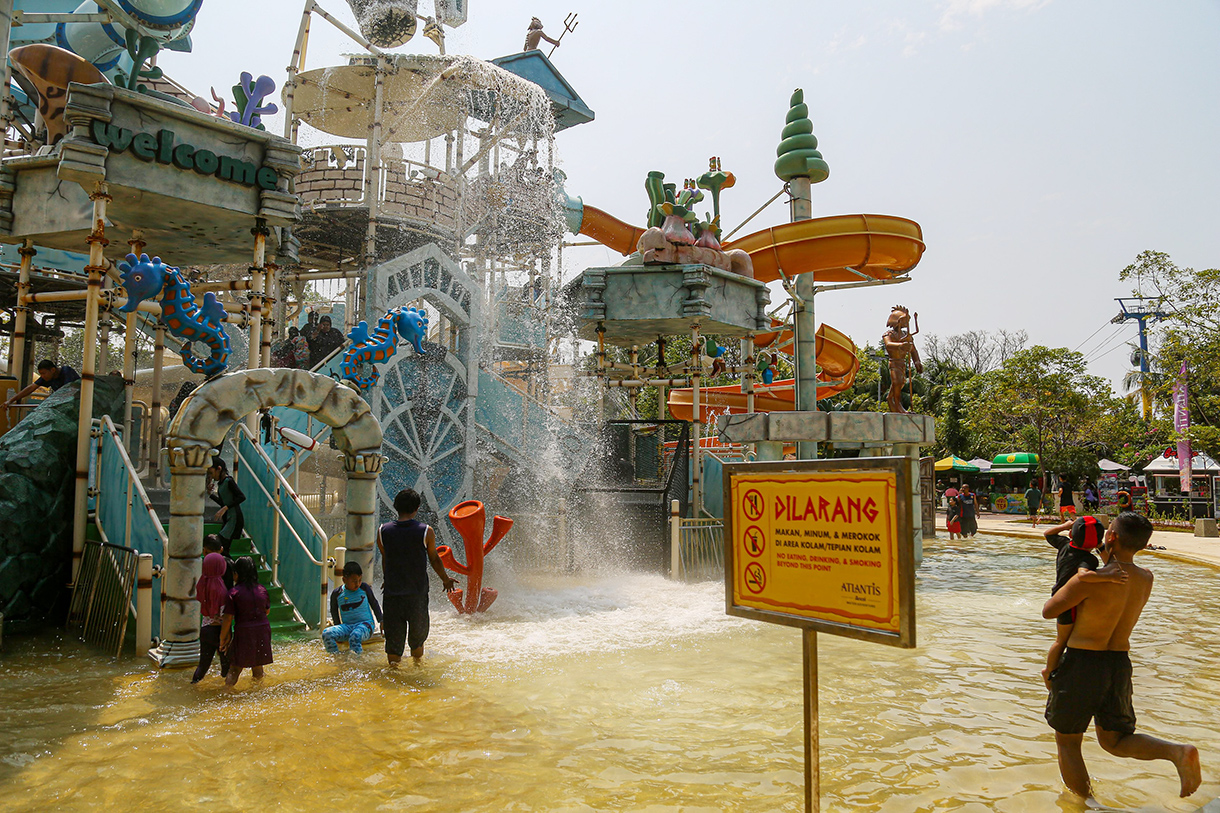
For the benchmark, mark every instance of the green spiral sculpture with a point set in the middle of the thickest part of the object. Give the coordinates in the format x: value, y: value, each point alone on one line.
x: 798, y: 152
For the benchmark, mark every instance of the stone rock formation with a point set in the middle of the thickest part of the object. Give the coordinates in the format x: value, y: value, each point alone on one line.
x: 37, y: 465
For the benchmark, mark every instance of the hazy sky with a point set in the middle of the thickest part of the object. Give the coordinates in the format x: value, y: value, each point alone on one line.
x: 1041, y: 144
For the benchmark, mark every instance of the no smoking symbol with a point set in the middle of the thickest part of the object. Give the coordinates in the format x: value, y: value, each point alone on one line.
x: 752, y: 504
x: 755, y: 542
x: 756, y: 578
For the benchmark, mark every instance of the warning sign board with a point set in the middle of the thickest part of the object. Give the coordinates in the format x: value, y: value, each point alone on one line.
x: 824, y: 544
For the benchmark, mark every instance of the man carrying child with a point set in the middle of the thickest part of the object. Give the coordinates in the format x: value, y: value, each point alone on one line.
x: 1075, y: 557
x: 1092, y: 681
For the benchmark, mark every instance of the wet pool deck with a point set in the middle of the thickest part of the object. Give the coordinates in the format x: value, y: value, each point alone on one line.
x: 1183, y: 546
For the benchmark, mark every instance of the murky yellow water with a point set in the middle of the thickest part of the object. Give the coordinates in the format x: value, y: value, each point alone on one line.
x: 622, y: 693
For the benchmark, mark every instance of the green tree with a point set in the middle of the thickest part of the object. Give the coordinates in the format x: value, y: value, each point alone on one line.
x: 1044, y: 397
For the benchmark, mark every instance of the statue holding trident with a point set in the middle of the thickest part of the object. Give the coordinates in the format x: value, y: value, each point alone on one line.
x: 899, y: 343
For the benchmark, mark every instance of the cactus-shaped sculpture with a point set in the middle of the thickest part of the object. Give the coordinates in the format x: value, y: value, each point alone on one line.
x: 248, y: 95
x: 798, y: 151
x: 144, y: 279
x: 469, y: 519
x: 714, y: 180
x: 380, y: 345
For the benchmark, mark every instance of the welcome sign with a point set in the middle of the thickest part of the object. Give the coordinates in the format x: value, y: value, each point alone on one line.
x: 164, y: 149
x: 825, y: 545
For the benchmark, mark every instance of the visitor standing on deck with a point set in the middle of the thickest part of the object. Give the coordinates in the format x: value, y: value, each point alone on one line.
x: 323, y: 339
x: 229, y: 497
x: 1033, y: 501
x: 49, y: 375
x: 245, y: 632
x: 1092, y: 682
x: 1067, y: 502
x: 212, y: 595
x: 407, y: 547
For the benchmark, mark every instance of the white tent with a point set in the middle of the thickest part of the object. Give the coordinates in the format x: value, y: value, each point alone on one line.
x: 1105, y: 464
x: 1169, y: 465
x: 983, y: 464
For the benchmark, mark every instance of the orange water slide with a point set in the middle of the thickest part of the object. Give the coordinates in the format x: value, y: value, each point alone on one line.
x: 609, y: 230
x: 838, y: 363
x: 833, y: 249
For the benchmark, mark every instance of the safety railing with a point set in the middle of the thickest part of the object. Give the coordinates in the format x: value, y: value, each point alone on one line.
x: 287, y: 457
x: 522, y: 425
x: 276, y: 517
x: 696, y: 547
x: 101, y: 595
x: 124, y: 513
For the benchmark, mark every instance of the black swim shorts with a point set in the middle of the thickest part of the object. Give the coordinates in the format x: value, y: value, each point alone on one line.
x: 403, y: 613
x: 1089, y: 685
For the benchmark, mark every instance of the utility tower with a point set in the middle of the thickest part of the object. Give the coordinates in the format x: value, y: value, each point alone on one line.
x: 1132, y: 309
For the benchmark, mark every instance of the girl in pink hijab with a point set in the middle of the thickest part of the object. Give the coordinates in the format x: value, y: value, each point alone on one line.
x: 211, y: 593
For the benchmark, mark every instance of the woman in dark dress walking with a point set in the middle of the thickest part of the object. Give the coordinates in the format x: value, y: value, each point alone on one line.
x: 229, y: 497
x: 245, y: 631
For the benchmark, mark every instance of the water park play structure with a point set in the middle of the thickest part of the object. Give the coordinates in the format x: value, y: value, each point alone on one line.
x: 425, y: 184
x: 439, y: 207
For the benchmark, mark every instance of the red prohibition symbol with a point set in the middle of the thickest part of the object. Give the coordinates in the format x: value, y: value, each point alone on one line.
x: 752, y: 504
x: 756, y: 578
x: 755, y: 542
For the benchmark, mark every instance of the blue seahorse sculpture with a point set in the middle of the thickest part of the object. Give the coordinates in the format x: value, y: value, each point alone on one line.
x: 144, y: 279
x: 381, y: 344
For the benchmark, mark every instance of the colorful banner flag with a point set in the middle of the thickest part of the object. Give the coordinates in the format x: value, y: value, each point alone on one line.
x: 1181, y: 425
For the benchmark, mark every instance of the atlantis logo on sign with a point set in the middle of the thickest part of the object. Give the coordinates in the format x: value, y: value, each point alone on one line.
x: 162, y: 149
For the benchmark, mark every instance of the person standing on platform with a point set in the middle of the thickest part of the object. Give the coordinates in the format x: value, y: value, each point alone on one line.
x: 1067, y: 501
x: 229, y: 497
x: 1033, y: 501
x: 49, y: 375
x: 323, y: 339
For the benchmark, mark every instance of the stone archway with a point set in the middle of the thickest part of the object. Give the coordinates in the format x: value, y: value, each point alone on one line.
x: 201, y: 425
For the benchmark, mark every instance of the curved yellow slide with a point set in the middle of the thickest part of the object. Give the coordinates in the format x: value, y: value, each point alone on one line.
x: 831, y: 248
x: 837, y: 358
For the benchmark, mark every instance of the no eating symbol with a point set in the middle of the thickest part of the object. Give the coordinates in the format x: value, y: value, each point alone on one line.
x: 756, y: 578
x: 752, y: 503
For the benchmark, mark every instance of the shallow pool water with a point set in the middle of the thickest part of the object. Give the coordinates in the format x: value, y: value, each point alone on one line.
x: 625, y: 692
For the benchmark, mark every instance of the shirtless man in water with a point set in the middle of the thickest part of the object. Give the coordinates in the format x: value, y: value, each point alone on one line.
x: 1093, y: 678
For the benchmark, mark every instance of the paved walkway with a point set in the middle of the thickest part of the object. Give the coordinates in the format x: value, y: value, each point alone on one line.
x: 1177, y: 545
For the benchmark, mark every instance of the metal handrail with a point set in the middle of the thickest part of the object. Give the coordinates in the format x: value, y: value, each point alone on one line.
x: 134, y: 486
x: 317, y: 529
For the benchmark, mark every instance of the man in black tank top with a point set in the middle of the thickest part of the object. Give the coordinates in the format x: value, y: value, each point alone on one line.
x: 407, y: 548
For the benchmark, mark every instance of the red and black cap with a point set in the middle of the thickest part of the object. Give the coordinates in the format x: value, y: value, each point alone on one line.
x: 1087, y: 533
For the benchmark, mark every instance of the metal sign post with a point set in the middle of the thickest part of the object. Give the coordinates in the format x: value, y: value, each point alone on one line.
x: 827, y: 546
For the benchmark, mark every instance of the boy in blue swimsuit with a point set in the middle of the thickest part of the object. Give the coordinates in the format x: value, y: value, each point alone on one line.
x: 352, y: 609
x: 1075, y: 557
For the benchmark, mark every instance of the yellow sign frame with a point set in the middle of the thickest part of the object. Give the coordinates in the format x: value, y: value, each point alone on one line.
x: 886, y: 481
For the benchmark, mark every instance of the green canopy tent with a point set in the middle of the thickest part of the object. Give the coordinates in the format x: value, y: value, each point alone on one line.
x: 1014, y: 462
